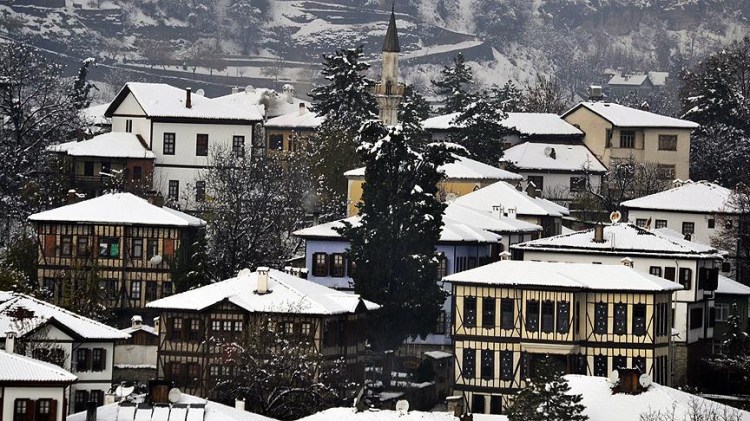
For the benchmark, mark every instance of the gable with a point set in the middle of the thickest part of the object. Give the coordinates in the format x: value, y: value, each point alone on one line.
x: 129, y: 106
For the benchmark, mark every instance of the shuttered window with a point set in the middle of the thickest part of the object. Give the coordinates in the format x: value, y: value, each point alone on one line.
x: 470, y: 311
x: 621, y: 319
x: 600, y: 318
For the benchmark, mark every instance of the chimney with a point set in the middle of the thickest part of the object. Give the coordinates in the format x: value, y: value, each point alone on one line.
x: 136, y: 322
x: 302, y: 108
x: 455, y: 405
x: 262, y: 280
x: 10, y: 342
x: 511, y: 213
x: 91, y: 411
x: 497, y: 211
x: 235, y: 90
x: 519, y: 187
x: 531, y: 190
x: 599, y: 233
x: 595, y: 93
x: 188, y: 102
x: 288, y: 91
x: 158, y: 200
x: 239, y: 404
x: 627, y: 261
x: 156, y: 325
x: 72, y: 197
x: 505, y: 255
x: 150, y: 196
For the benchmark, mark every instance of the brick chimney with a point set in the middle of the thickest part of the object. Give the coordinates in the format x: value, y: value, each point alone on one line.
x: 188, y: 100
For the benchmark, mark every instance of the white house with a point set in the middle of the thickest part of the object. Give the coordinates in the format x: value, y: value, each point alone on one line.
x: 694, y: 266
x: 76, y: 343
x: 181, y: 128
x: 32, y: 389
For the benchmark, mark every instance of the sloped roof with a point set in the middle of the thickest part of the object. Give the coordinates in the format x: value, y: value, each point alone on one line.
x: 107, y: 145
x: 729, y: 286
x: 462, y: 169
x: 144, y: 328
x: 94, y: 115
x: 265, y: 101
x: 622, y: 116
x: 390, y: 43
x: 585, y: 276
x: 620, y: 239
x: 295, y: 120
x: 43, y: 312
x: 18, y: 368
x: 629, y: 80
x: 700, y: 196
x: 162, y: 100
x: 345, y: 414
x: 118, y: 208
x: 506, y: 195
x: 530, y: 124
x: 535, y: 156
x: 487, y: 221
x: 288, y: 294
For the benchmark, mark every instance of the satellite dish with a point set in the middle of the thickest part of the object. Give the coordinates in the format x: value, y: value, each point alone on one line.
x: 200, y: 92
x: 614, y: 377
x: 644, y: 380
x: 615, y: 217
x: 156, y: 260
x: 402, y: 407
x: 547, y: 151
x: 174, y: 395
x: 249, y: 88
x: 451, y: 197
x: 122, y: 391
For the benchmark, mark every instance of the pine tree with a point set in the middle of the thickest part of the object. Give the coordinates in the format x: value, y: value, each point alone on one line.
x: 546, y: 398
x: 394, y: 246
x: 508, y: 98
x: 480, y: 131
x: 454, y: 86
x: 81, y: 91
x: 412, y: 111
x: 735, y: 340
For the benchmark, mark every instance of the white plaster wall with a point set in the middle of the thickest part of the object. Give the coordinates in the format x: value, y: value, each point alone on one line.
x: 185, y: 140
x: 104, y: 376
x: 135, y: 354
x: 10, y: 394
x: 557, y: 185
x: 674, y: 220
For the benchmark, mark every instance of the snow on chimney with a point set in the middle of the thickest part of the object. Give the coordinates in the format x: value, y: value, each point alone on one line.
x: 302, y: 108
x: 188, y: 100
x: 10, y: 342
x: 595, y: 93
x: 505, y: 255
x: 497, y: 211
x: 239, y: 404
x: 136, y: 322
x: 288, y: 91
x: 262, y: 280
x: 235, y: 90
x: 156, y: 325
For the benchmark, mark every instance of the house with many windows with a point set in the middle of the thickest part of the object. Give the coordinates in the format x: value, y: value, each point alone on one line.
x: 196, y: 327
x: 615, y: 132
x: 128, y: 242
x: 694, y: 266
x: 75, y: 343
x: 290, y: 133
x: 587, y: 319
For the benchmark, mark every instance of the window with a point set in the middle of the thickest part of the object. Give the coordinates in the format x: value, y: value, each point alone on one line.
x: 200, y: 191
x: 470, y: 356
x: 488, y: 364
x: 320, y: 264
x: 135, y: 290
x: 641, y: 222
x: 477, y: 403
x: 722, y: 312
x: 711, y: 316
x: 109, y: 247
x: 532, y: 315
x: 137, y: 249
x: 627, y: 139
x: 471, y: 262
x: 496, y: 405
x: 194, y: 330
x: 151, y: 288
x: 50, y: 285
x: 46, y: 409
x: 83, y: 359
x: 98, y: 359
x: 137, y: 172
x: 669, y: 273
x: 276, y: 142
x: 660, y: 223
x: 600, y: 366
x: 169, y: 143
x: 548, y: 316
x: 22, y: 408
x: 83, y: 246
x: 238, y: 145
x: 639, y: 319
x: 600, y: 317
x: 688, y: 228
x: 655, y: 270
x: 524, y: 365
x: 110, y: 288
x: 66, y: 245
x: 666, y: 172
x: 608, y: 138
x: 213, y: 371
x: 193, y: 371
x: 686, y: 276
x: 152, y: 248
x: 667, y: 142
x: 201, y: 145
x: 619, y: 361
x: 488, y: 312
x: 538, y: 181
x: 507, y: 313
x: 640, y: 363
x: 711, y: 223
x: 577, y: 184
x: 506, y: 365
x: 696, y: 318
x: 563, y: 316
x: 88, y: 168
x: 337, y: 265
x: 621, y: 319
x: 470, y: 311
x: 442, y: 269
x: 306, y: 328
x: 173, y: 191
x: 166, y: 288
x: 128, y: 126
x: 175, y: 333
x: 581, y: 365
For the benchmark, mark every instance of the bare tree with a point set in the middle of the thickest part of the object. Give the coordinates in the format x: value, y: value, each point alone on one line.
x: 33, y: 340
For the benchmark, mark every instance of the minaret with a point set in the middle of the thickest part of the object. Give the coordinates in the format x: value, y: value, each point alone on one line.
x: 389, y: 91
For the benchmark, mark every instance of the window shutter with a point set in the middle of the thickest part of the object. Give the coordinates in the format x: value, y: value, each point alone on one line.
x: 30, y: 410
x: 103, y: 364
x: 330, y: 263
x: 52, y: 410
x: 87, y: 352
x: 168, y: 248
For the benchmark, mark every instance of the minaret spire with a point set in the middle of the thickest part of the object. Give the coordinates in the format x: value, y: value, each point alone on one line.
x: 389, y: 91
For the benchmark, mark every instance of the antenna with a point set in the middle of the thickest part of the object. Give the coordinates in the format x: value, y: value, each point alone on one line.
x: 174, y: 395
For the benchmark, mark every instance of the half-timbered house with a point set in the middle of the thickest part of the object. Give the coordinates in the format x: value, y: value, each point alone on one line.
x: 127, y: 242
x: 589, y: 319
x: 195, y: 325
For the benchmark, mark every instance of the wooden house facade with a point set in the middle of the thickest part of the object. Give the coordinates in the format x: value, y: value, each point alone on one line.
x: 587, y: 319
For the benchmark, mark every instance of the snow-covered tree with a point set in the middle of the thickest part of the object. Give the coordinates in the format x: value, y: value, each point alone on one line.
x: 480, y: 131
x: 188, y: 269
x: 248, y: 16
x: 547, y: 397
x: 733, y: 364
x: 455, y: 85
x: 81, y: 90
x: 544, y: 96
x: 508, y: 98
x: 394, y: 246
x: 412, y: 111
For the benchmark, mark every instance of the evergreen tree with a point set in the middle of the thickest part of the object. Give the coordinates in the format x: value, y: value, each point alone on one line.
x: 412, y: 111
x: 735, y: 340
x: 188, y: 268
x: 454, y: 86
x: 508, y: 98
x: 546, y: 397
x: 480, y: 131
x: 394, y: 245
x: 81, y: 91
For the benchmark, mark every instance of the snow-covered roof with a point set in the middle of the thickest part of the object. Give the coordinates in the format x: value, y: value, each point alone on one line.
x: 487, y: 221
x: 620, y: 239
x: 188, y: 407
x: 602, y: 405
x: 162, y: 100
x: 438, y: 355
x: 622, y: 116
x: 529, y: 124
x: 585, y: 276
x: 506, y: 195
x: 289, y: 294
x: 107, y: 145
x: 729, y: 286
x: 94, y: 115
x: 18, y: 368
x: 658, y: 78
x: 462, y: 168
x: 553, y: 157
x: 120, y: 209
x: 340, y: 414
x: 628, y: 80
x: 143, y: 328
x: 700, y: 196
x: 269, y: 102
x: 303, y: 119
x: 43, y: 312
